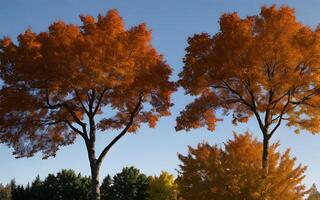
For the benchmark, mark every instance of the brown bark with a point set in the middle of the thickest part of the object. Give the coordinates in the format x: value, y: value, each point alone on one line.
x: 265, y: 152
x: 95, y: 163
x: 95, y: 186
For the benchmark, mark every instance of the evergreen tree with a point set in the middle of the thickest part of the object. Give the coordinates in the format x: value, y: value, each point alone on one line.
x: 105, y: 188
x: 66, y: 185
x: 18, y: 192
x: 36, y: 189
x: 129, y: 184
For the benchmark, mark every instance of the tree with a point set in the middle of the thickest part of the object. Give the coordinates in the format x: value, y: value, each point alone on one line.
x: 263, y: 66
x: 66, y: 185
x: 5, y: 192
x: 20, y: 193
x: 163, y: 187
x: 76, y: 80
x: 233, y: 172
x: 313, y: 193
x: 36, y: 189
x: 105, y: 188
x: 129, y: 184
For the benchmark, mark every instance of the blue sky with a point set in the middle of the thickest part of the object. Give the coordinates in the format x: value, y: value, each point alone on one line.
x: 172, y: 22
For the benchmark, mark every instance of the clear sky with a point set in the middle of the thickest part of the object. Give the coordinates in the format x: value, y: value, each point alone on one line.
x: 172, y: 22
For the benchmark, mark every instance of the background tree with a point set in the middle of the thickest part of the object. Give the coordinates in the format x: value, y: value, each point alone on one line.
x: 313, y: 193
x: 5, y: 192
x: 36, y: 189
x: 163, y: 187
x: 265, y: 66
x: 233, y: 172
x: 18, y: 192
x: 56, y: 83
x: 66, y: 185
x: 129, y: 184
x: 105, y: 188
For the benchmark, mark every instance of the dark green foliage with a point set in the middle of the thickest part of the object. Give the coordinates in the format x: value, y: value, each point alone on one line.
x: 128, y: 184
x: 36, y: 190
x: 66, y: 185
x: 19, y: 193
x: 105, y: 188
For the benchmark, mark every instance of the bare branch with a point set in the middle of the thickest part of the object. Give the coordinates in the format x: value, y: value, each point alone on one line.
x: 280, y: 116
x: 123, y: 132
x: 82, y: 134
x: 99, y: 101
x: 81, y: 103
x: 67, y: 107
x: 303, y: 100
x: 251, y: 106
x: 268, y: 111
x: 238, y: 94
x: 274, y: 102
x: 256, y: 113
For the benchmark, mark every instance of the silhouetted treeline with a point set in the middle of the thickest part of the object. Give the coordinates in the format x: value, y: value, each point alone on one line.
x: 130, y: 183
x: 64, y: 185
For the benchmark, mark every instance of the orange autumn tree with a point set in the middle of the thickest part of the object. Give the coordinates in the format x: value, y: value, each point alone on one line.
x: 233, y: 172
x: 264, y: 66
x: 77, y: 80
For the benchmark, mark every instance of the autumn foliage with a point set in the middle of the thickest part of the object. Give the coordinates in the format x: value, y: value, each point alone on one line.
x: 163, y: 187
x: 233, y: 172
x: 56, y: 83
x: 264, y: 66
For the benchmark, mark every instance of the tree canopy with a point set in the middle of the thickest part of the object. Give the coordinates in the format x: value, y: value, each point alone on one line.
x: 163, y: 187
x: 5, y: 192
x: 264, y: 66
x: 130, y: 183
x: 75, y: 80
x: 313, y: 193
x: 66, y: 184
x: 233, y: 172
x: 52, y: 80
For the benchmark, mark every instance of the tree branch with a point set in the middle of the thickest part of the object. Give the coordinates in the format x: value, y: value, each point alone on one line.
x: 238, y: 94
x: 81, y: 103
x: 99, y: 101
x: 274, y: 102
x: 280, y: 116
x: 83, y: 133
x: 122, y: 133
x: 251, y: 106
x: 256, y: 113
x: 50, y: 122
x: 267, y: 115
x: 65, y: 105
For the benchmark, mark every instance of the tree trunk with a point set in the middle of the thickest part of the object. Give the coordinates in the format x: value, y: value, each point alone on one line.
x: 265, y: 161
x: 95, y: 169
x: 95, y: 186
